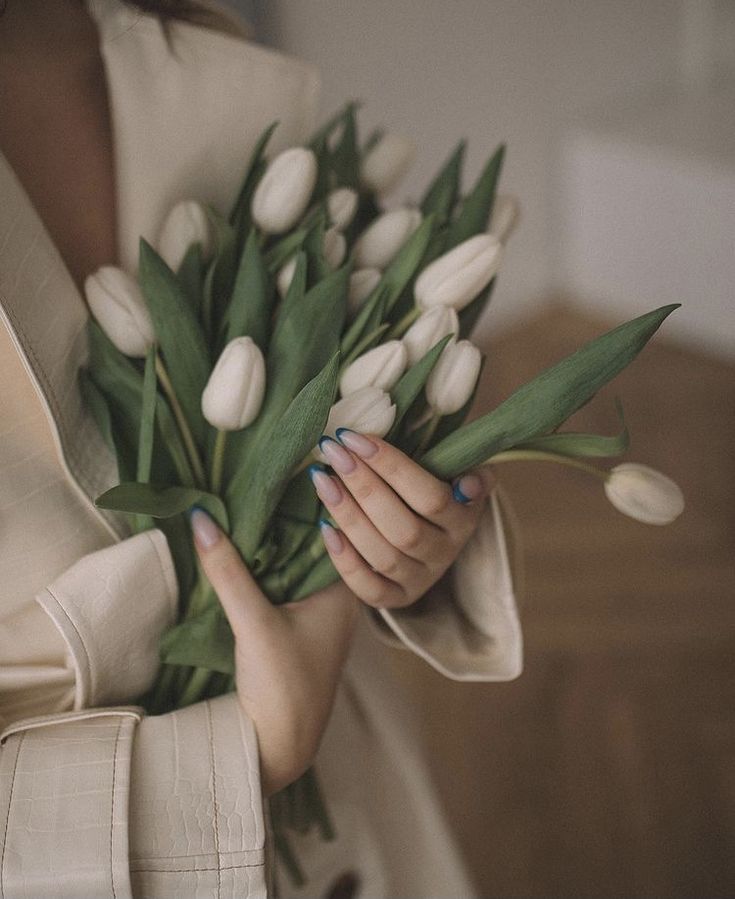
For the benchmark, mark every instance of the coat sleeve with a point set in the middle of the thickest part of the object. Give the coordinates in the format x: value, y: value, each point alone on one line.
x: 104, y: 801
x: 467, y: 625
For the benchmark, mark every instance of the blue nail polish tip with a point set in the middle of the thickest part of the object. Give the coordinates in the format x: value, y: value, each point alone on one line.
x: 196, y: 508
x: 458, y: 495
x: 323, y: 523
x: 324, y: 438
x: 314, y: 469
x: 340, y: 431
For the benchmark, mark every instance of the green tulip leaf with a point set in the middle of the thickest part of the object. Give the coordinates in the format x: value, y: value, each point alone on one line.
x: 443, y: 191
x: 469, y: 316
x: 191, y: 276
x: 544, y: 403
x: 147, y: 418
x: 345, y: 159
x: 582, y: 445
x: 477, y: 206
x: 203, y: 641
x: 321, y: 575
x: 162, y: 501
x: 240, y: 214
x: 249, y: 311
x: 412, y: 383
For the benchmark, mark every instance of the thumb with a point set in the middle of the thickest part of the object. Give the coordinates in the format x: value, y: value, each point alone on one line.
x: 244, y: 602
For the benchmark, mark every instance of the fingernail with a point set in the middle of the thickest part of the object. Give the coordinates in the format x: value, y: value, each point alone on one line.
x: 468, y: 488
x: 358, y: 443
x: 328, y: 490
x: 332, y: 537
x: 205, y: 531
x: 336, y: 455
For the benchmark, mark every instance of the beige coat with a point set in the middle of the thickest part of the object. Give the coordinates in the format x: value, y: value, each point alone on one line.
x: 96, y: 799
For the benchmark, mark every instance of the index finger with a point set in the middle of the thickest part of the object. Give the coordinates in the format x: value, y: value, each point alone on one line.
x: 418, y: 488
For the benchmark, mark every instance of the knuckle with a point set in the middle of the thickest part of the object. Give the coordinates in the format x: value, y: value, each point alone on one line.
x: 390, y: 564
x: 435, y: 503
x: 363, y: 490
x: 409, y: 536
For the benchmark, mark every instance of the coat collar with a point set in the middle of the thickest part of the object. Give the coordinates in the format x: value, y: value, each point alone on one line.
x: 184, y: 120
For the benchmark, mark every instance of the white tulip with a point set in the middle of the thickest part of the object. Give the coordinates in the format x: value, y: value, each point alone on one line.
x: 117, y: 303
x: 283, y: 192
x: 644, y: 493
x: 187, y: 223
x: 505, y: 217
x: 285, y: 277
x: 334, y: 247
x: 457, y: 277
x: 235, y: 389
x: 381, y: 366
x: 368, y: 410
x: 342, y: 206
x: 362, y: 283
x: 453, y: 378
x: 428, y: 330
x: 387, y: 162
x: 379, y: 243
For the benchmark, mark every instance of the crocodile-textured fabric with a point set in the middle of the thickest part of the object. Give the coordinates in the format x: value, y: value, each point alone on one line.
x: 82, y: 605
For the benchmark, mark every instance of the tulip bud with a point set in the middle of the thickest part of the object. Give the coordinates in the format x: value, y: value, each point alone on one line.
x: 334, y: 247
x: 387, y: 162
x: 362, y: 283
x: 342, y: 206
x: 644, y: 493
x: 117, y: 303
x: 380, y: 367
x: 379, y: 243
x: 457, y: 277
x: 283, y: 192
x: 505, y: 217
x: 368, y: 410
x: 234, y: 392
x: 453, y: 378
x: 187, y: 223
x: 285, y: 277
x: 428, y: 330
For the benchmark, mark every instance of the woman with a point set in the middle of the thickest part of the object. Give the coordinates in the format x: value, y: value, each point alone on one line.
x: 107, y: 118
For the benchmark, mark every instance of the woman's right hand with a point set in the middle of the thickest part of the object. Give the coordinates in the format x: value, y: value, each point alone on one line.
x: 287, y: 658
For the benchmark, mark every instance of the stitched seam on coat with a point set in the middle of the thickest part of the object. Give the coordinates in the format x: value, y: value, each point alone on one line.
x: 90, y: 671
x: 251, y: 768
x: 7, y: 817
x: 112, y: 806
x: 193, y: 870
x: 214, y: 796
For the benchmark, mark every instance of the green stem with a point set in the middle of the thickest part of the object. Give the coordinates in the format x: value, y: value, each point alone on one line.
x: 404, y: 324
x: 540, y: 456
x: 218, y: 459
x: 186, y: 435
x: 428, y: 434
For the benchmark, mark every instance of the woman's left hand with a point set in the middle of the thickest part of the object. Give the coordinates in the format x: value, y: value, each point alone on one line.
x: 400, y: 528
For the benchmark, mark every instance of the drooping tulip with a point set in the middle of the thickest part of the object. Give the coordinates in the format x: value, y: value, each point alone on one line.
x: 368, y: 410
x: 116, y: 301
x: 428, y: 330
x: 187, y: 223
x: 362, y: 283
x: 341, y: 206
x: 284, y: 191
x: 387, y: 162
x: 454, y: 377
x: 457, y: 277
x: 381, y: 367
x: 379, y: 243
x: 644, y: 493
x: 505, y: 217
x: 235, y: 389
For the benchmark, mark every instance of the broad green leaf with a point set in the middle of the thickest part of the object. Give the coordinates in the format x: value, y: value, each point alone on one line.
x: 412, y: 383
x: 249, y: 312
x: 321, y: 575
x: 369, y: 316
x: 147, y: 418
x: 182, y: 343
x: 299, y: 501
x: 372, y: 140
x: 367, y: 343
x: 585, y: 445
x: 345, y: 158
x: 443, y: 191
x: 324, y: 131
x: 544, y: 403
x: 95, y: 401
x: 240, y: 214
x: 477, y: 206
x: 222, y: 270
x: 162, y: 501
x: 296, y: 434
x: 285, y: 248
x: 191, y: 276
x: 469, y: 316
x: 297, y: 288
x: 204, y: 641
x: 318, y: 267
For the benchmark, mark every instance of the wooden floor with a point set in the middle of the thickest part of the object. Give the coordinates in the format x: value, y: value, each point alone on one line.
x: 608, y: 768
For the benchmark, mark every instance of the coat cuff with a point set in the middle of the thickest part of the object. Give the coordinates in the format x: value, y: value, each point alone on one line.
x: 168, y: 805
x: 466, y: 626
x: 111, y: 608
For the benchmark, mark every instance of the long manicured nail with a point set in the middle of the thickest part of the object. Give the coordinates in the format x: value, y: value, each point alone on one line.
x: 336, y: 455
x: 358, y: 443
x: 328, y: 490
x: 468, y: 488
x: 205, y: 531
x: 332, y: 537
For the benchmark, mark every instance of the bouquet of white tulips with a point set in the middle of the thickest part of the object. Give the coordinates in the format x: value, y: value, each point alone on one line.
x: 306, y: 310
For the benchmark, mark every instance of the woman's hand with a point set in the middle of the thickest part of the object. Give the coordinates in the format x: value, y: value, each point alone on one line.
x: 288, y: 658
x: 400, y: 528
